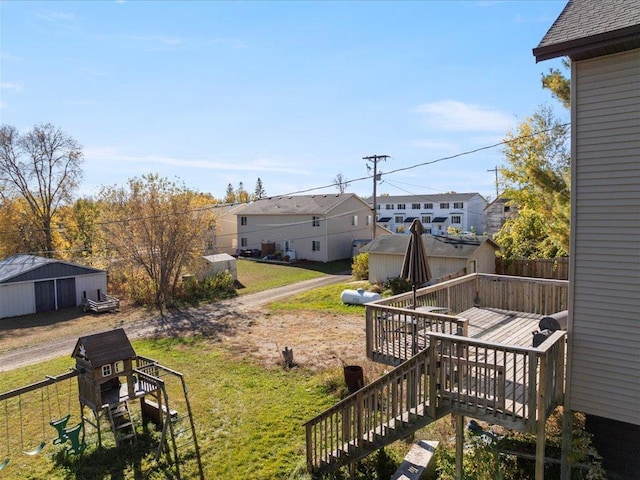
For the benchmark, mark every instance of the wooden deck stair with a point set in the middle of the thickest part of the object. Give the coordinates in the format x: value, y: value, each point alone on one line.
x: 389, y: 409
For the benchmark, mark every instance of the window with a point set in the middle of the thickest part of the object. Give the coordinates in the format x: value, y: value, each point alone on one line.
x: 415, y: 206
x: 368, y: 219
x: 118, y: 366
x: 354, y: 220
x: 315, y: 245
x: 106, y: 370
x: 389, y: 206
x: 428, y: 206
x: 426, y: 219
x: 243, y: 220
x: 315, y: 221
x: 444, y: 205
x: 507, y: 208
x: 427, y: 230
x: 401, y: 206
x: 378, y: 206
x: 243, y: 242
x: 456, y: 219
x: 398, y: 219
x: 458, y: 204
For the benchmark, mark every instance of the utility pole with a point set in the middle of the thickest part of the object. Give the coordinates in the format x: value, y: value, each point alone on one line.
x: 495, y: 169
x: 374, y: 159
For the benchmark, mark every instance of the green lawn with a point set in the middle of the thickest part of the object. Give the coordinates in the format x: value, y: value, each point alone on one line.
x: 249, y: 419
x: 259, y: 276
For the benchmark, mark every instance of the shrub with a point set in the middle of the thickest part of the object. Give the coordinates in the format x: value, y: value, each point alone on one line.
x: 220, y: 285
x: 360, y: 266
x: 397, y: 285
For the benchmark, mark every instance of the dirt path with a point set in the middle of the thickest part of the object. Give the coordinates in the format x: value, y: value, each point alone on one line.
x: 240, y: 322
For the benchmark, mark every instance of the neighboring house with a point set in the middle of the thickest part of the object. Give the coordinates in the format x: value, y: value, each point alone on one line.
x: 30, y: 284
x: 496, y: 214
x: 225, y: 237
x: 453, y: 255
x: 464, y: 211
x: 312, y: 227
x: 602, y: 39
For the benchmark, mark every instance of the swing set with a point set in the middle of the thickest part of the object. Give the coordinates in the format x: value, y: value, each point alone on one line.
x: 64, y: 434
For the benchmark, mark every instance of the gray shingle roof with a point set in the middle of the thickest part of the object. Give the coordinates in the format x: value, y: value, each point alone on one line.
x: 105, y: 347
x: 436, y: 246
x: 297, y: 204
x: 19, y: 264
x: 587, y: 28
x: 429, y: 198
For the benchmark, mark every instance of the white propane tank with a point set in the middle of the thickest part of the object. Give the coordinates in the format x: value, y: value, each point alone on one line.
x: 358, y: 297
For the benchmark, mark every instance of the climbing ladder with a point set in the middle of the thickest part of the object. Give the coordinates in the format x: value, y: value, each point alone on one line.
x: 121, y: 422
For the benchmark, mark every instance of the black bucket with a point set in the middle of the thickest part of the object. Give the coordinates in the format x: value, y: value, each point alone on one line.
x: 353, y: 377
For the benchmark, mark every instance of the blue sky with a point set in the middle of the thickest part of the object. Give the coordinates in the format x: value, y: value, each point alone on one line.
x: 295, y: 93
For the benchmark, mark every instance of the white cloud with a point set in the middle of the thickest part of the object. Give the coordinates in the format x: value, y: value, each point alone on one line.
x: 13, y: 87
x: 258, y: 165
x: 452, y: 115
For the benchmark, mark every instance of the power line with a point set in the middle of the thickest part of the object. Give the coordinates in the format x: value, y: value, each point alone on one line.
x: 377, y: 175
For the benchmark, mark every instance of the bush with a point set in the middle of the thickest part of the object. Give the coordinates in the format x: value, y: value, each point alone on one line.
x: 397, y: 285
x: 221, y: 285
x: 360, y: 267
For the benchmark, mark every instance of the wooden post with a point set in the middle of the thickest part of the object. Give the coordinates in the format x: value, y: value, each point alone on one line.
x: 460, y: 446
x: 567, y: 440
x: 541, y: 419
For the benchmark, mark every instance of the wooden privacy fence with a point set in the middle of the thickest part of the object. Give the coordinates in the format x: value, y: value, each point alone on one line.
x: 552, y: 268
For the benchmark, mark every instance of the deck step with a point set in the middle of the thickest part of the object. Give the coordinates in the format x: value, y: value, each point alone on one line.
x: 416, y: 461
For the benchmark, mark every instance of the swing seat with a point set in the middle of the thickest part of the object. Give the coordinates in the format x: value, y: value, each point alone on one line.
x: 36, y: 450
x: 4, y: 464
x: 73, y: 434
x: 60, y: 425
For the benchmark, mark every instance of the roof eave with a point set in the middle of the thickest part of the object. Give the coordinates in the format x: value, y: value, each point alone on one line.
x: 580, y: 48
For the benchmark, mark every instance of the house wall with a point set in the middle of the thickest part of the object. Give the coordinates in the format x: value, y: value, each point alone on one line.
x: 90, y: 284
x: 484, y: 258
x: 341, y: 232
x: 225, y: 238
x: 604, y: 358
x: 387, y: 265
x: 335, y: 231
x: 472, y: 214
x: 17, y: 299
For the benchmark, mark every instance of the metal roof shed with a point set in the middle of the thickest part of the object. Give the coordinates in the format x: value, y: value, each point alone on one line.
x: 31, y: 284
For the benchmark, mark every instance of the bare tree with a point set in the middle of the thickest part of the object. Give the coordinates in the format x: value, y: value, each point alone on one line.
x: 341, y: 182
x: 43, y: 166
x: 157, y: 225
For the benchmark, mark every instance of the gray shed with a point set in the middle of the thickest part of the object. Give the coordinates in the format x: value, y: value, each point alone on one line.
x: 447, y: 256
x: 219, y: 263
x: 31, y: 284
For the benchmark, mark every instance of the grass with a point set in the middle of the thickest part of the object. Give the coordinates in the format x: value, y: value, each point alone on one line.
x: 249, y: 419
x: 325, y: 299
x: 259, y: 276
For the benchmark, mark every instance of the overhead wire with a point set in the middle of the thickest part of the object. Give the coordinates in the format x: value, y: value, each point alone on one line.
x: 358, y: 179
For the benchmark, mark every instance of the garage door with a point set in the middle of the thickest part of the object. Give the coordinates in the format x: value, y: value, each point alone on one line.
x: 66, y: 292
x: 45, y: 296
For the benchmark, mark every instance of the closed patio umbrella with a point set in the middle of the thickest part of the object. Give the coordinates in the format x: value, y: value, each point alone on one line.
x: 415, y: 267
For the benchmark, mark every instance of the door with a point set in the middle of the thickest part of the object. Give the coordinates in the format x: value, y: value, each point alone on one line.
x: 45, y: 296
x: 66, y: 292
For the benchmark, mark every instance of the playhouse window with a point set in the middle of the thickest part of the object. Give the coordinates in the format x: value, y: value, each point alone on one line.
x: 119, y: 366
x: 106, y: 370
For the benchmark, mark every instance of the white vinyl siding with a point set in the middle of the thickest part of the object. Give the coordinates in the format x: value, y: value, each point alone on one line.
x: 604, y: 353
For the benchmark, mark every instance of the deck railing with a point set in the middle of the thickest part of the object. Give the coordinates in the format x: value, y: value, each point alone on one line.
x: 376, y: 415
x: 507, y: 385
x: 390, y: 322
x: 517, y: 387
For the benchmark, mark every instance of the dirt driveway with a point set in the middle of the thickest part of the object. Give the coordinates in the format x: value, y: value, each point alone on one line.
x: 318, y: 339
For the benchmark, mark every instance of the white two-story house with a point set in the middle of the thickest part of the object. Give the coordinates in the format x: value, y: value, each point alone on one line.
x: 312, y: 227
x: 464, y: 211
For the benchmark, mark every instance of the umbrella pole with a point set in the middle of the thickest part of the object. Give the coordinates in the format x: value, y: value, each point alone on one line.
x: 414, y: 296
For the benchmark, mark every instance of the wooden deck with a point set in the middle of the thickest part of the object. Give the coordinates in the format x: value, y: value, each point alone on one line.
x: 466, y: 348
